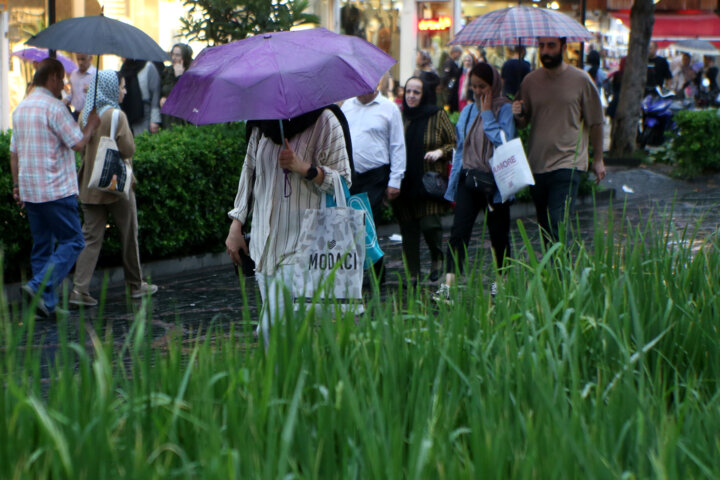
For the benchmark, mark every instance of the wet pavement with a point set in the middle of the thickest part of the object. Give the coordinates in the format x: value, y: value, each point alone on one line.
x: 192, y: 300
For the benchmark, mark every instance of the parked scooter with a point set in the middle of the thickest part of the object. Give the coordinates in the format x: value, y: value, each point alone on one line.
x: 658, y: 109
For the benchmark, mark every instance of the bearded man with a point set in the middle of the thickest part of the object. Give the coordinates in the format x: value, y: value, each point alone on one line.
x: 562, y: 106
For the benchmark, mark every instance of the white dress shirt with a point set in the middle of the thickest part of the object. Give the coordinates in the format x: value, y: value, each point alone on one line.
x: 378, y: 137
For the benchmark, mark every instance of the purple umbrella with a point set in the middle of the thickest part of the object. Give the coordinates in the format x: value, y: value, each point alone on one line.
x: 275, y: 76
x: 40, y: 54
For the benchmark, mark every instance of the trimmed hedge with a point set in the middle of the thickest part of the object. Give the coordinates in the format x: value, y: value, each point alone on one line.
x: 696, y: 147
x: 187, y: 180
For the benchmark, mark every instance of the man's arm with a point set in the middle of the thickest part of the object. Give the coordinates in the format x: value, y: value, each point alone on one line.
x: 398, y: 157
x: 92, y: 122
x: 596, y: 139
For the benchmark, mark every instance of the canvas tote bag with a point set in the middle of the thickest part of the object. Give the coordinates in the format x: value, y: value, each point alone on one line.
x: 330, y: 255
x: 510, y: 167
x: 110, y: 173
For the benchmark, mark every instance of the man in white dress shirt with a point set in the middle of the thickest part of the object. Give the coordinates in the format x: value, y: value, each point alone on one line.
x: 378, y: 142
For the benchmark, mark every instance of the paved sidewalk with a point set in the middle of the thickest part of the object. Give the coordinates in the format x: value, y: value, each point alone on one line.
x: 202, y: 291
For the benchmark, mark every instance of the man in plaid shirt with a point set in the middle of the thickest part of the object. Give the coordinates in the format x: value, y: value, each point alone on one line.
x: 45, y: 181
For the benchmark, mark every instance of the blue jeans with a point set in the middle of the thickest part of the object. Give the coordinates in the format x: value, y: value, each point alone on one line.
x: 554, y: 195
x: 57, y: 242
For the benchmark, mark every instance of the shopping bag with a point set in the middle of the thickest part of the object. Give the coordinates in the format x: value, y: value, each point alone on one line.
x: 360, y: 201
x: 110, y: 173
x: 510, y: 167
x: 331, y: 254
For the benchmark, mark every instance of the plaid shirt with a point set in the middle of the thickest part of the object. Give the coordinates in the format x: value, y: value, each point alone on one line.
x: 43, y: 134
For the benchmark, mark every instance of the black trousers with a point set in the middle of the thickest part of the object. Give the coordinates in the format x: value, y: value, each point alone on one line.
x: 468, y: 204
x: 373, y: 182
x: 554, y: 195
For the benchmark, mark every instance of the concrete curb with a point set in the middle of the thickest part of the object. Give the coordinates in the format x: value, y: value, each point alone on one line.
x: 160, y: 269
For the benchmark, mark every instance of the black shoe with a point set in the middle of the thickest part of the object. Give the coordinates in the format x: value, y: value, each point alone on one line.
x: 434, y: 275
x: 40, y: 306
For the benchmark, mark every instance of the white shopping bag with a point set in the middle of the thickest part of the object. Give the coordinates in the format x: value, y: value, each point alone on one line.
x: 510, y: 167
x: 330, y: 254
x: 110, y: 173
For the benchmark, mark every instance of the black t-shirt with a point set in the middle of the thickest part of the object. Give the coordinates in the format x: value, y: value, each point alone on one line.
x: 658, y: 72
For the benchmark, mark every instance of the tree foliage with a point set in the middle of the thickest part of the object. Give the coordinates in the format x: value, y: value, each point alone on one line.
x: 223, y: 21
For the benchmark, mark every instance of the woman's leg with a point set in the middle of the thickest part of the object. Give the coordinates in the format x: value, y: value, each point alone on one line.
x: 124, y: 212
x: 431, y: 227
x: 498, y: 222
x: 273, y: 291
x: 410, y: 232
x: 467, y: 207
x: 95, y: 219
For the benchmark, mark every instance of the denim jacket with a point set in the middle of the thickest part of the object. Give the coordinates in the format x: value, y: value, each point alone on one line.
x: 491, y: 126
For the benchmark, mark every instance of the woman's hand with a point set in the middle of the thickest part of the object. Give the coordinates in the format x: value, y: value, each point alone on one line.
x: 288, y: 160
x: 434, y: 155
x: 235, y: 242
x: 485, y: 102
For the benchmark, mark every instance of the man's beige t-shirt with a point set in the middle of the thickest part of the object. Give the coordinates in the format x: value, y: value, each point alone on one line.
x: 557, y: 104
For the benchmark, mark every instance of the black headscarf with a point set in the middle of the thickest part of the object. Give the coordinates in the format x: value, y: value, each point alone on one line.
x: 416, y: 120
x: 296, y: 125
x: 132, y: 104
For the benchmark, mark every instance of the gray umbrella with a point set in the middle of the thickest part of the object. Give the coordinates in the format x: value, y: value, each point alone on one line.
x: 99, y: 35
x: 696, y: 46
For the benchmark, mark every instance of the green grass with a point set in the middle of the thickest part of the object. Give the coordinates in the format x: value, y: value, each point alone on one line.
x: 598, y: 363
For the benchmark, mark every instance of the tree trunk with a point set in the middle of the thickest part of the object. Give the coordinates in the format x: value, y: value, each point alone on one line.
x: 632, y: 89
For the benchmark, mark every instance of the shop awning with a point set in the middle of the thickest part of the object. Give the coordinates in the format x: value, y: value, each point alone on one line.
x: 670, y: 27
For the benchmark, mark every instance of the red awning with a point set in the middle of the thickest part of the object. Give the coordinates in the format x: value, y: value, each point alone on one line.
x: 671, y: 27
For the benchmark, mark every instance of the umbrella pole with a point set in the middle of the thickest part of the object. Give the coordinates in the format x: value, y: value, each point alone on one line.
x: 282, y: 132
x: 97, y: 72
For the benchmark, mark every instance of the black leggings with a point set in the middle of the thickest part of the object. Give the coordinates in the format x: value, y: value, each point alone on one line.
x: 468, y: 204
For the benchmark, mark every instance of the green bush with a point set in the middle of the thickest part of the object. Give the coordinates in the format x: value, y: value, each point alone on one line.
x: 186, y: 182
x: 696, y: 147
x: 15, y: 239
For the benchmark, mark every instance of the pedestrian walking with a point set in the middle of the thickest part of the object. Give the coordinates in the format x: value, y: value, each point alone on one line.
x: 376, y: 131
x: 426, y: 72
x: 563, y: 108
x: 79, y: 82
x: 514, y: 71
x: 44, y: 180
x: 465, y: 93
x: 280, y: 179
x: 658, y: 71
x: 105, y: 96
x: 181, y: 57
x: 474, y: 150
x: 452, y: 69
x: 429, y: 141
x: 142, y: 101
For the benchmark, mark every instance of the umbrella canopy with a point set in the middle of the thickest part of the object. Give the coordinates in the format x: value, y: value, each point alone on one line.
x: 276, y: 76
x: 38, y: 55
x: 99, y: 35
x: 520, y: 26
x: 696, y: 46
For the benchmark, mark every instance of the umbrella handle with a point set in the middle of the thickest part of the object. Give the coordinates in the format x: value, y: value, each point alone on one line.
x: 97, y: 72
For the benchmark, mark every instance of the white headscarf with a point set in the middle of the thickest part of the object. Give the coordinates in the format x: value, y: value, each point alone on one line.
x: 107, y: 94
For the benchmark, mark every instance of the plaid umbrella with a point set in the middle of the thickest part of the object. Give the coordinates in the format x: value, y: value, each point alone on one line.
x: 520, y: 26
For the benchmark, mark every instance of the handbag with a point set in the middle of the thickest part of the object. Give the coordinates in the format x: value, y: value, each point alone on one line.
x: 360, y: 201
x: 330, y: 255
x: 480, y: 182
x: 110, y: 173
x: 510, y: 167
x: 435, y: 185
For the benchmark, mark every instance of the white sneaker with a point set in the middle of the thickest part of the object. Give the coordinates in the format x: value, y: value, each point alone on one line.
x: 145, y: 289
x: 442, y: 295
x: 493, y: 289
